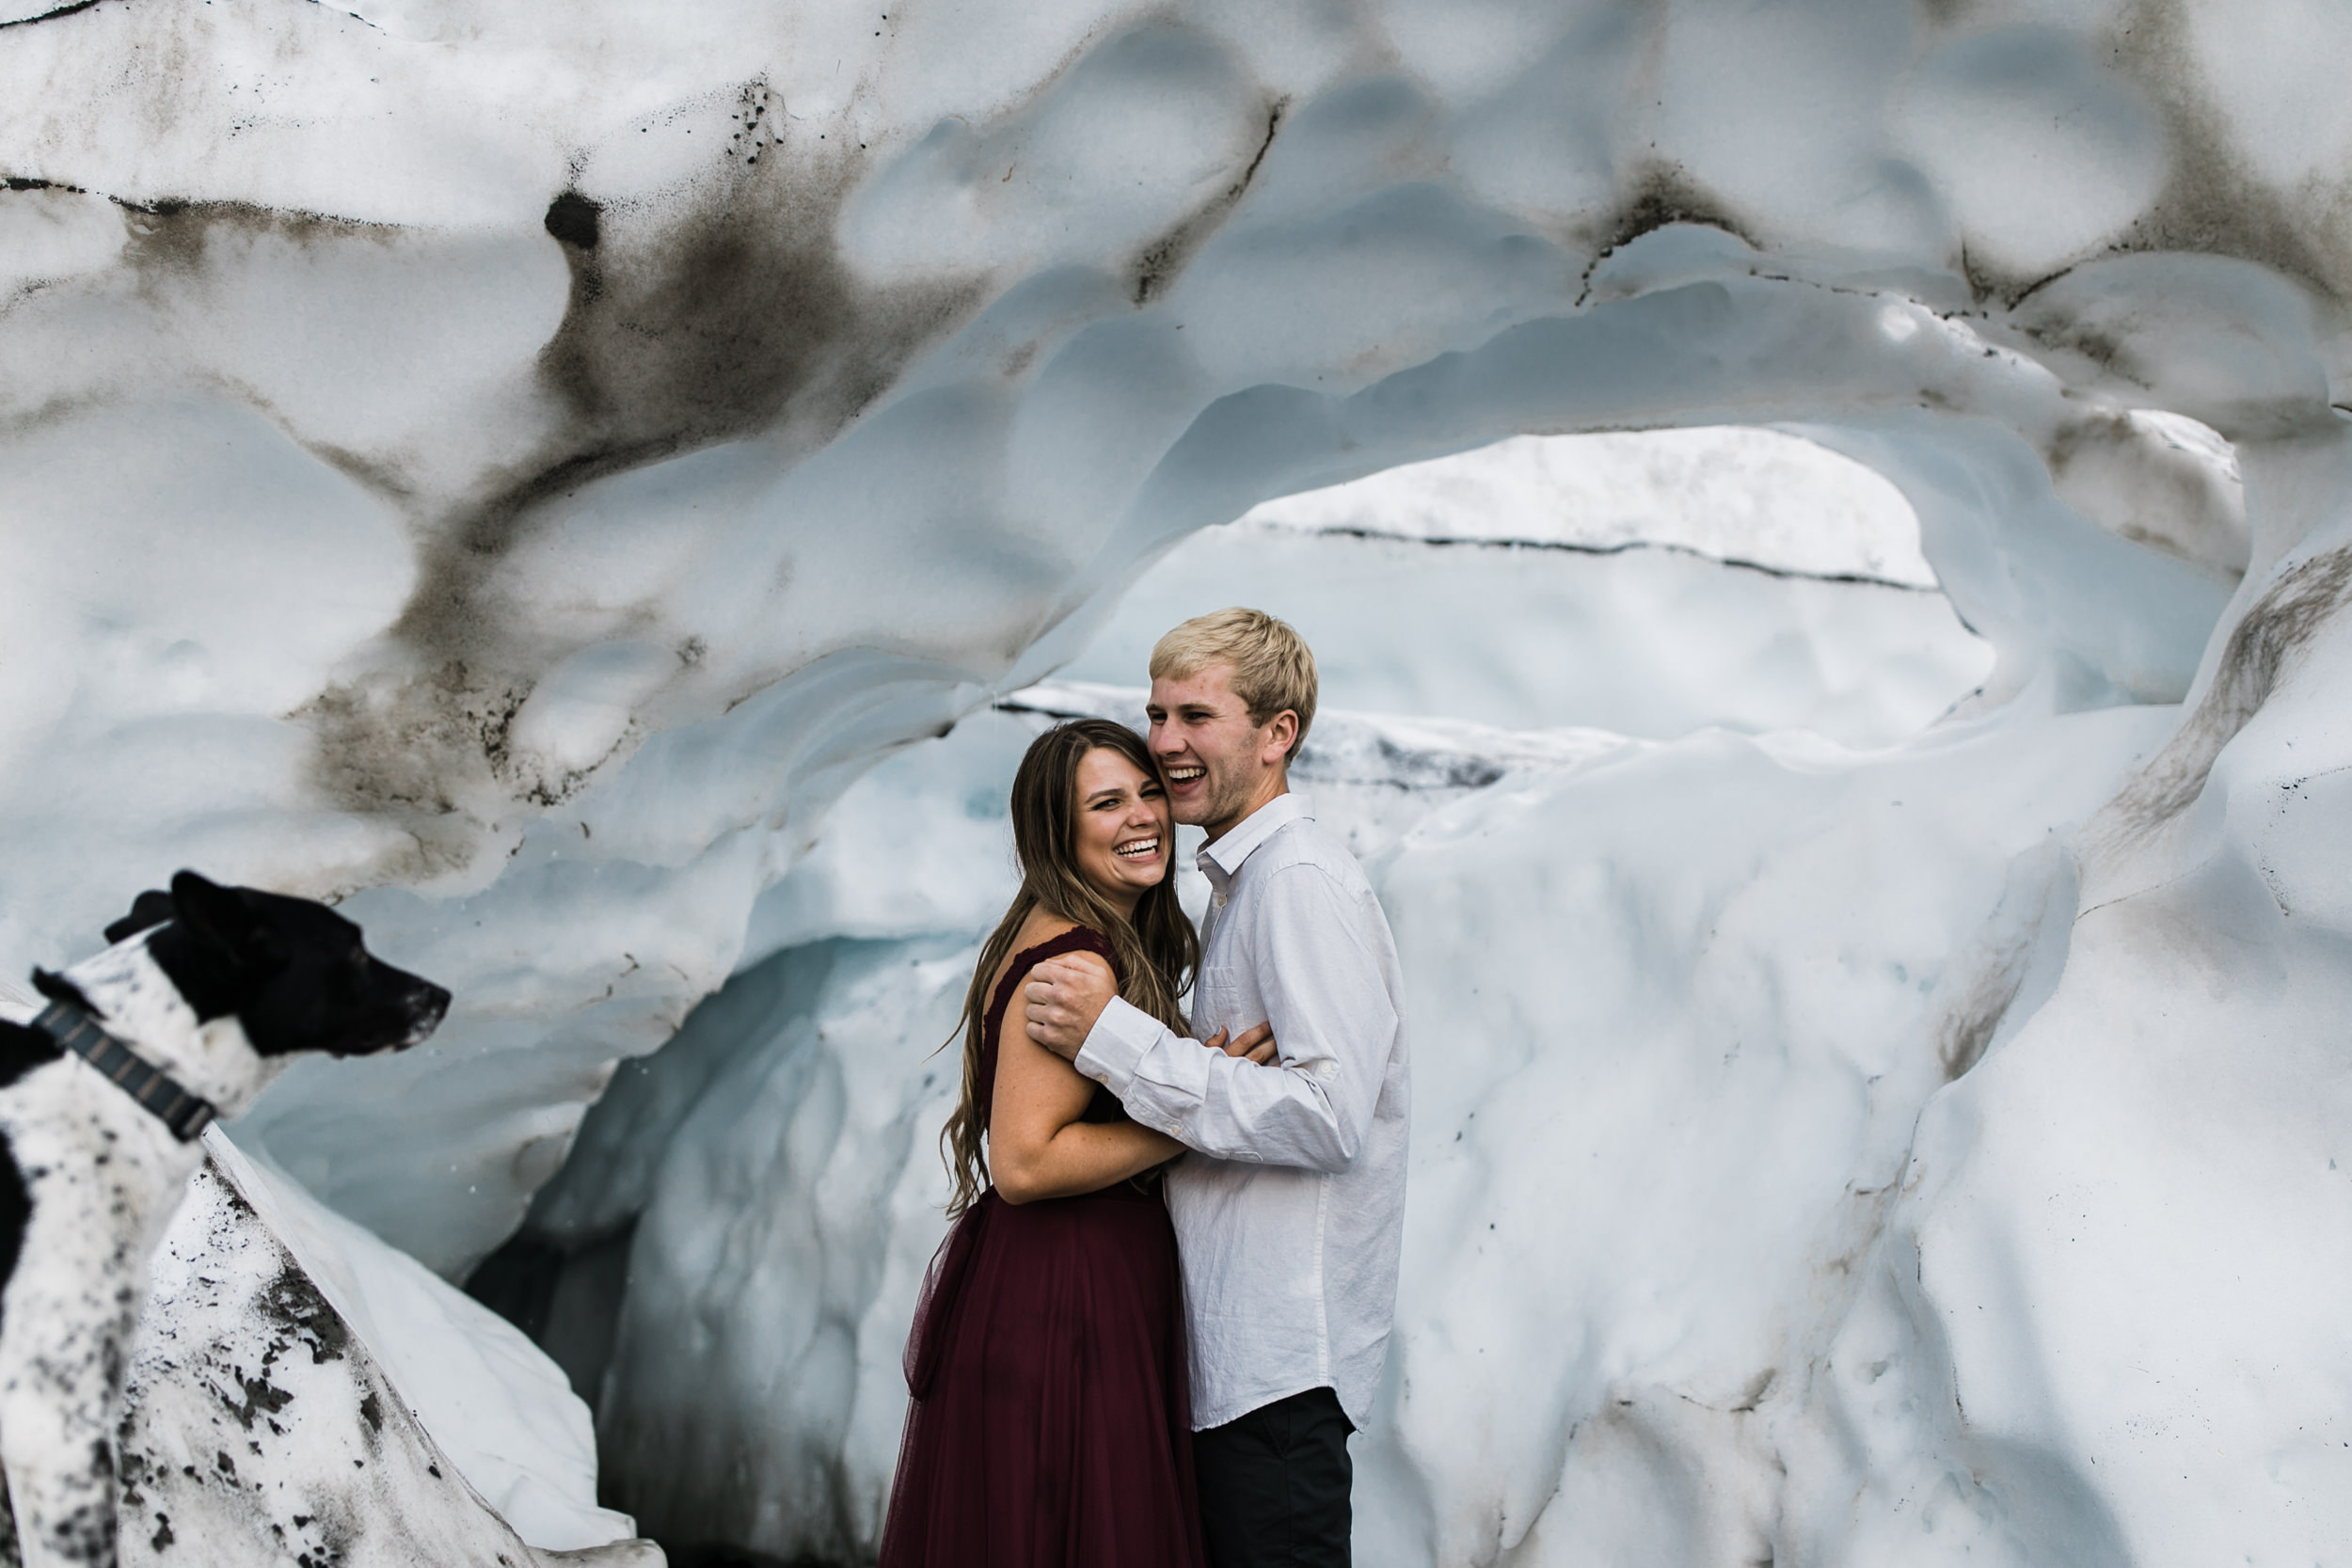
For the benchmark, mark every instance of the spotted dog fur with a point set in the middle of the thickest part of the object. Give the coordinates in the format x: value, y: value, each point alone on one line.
x: 220, y: 988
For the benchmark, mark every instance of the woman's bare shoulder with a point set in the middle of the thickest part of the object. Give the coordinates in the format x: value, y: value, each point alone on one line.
x: 1038, y: 929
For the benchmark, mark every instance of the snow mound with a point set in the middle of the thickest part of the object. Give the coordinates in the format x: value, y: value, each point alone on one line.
x: 495, y: 1405
x: 262, y: 1423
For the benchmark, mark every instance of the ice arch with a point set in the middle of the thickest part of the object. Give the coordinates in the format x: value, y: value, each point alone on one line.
x: 514, y: 469
x: 1647, y: 582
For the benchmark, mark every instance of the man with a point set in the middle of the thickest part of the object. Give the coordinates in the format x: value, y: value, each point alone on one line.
x: 1290, y: 1211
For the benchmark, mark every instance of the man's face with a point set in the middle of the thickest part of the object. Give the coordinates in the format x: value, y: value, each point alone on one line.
x: 1218, y: 766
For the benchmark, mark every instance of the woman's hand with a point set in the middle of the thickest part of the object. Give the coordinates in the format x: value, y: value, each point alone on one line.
x: 1257, y: 1043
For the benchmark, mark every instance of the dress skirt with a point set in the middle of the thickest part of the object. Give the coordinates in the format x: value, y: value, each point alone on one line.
x: 1056, y: 1431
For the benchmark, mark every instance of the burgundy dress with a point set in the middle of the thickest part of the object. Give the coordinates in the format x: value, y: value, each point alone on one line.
x: 1051, y: 1422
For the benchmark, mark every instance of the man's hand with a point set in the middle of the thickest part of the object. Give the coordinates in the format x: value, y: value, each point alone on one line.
x: 1065, y: 996
x: 1257, y: 1043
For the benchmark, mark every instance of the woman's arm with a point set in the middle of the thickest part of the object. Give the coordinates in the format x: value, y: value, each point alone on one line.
x: 1037, y: 1146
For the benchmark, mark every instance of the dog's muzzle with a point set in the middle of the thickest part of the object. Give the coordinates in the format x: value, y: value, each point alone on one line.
x: 186, y: 1113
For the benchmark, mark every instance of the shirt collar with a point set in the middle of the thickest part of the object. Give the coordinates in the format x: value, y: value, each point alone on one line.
x: 1220, y: 861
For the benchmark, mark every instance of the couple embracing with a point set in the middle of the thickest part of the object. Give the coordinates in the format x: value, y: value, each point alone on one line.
x: 1164, y: 1305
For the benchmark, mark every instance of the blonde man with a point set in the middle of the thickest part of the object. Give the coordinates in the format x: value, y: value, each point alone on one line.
x: 1290, y: 1210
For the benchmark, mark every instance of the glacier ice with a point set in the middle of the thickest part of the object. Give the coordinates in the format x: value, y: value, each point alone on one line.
x: 1504, y: 537
x: 1694, y: 1157
x: 548, y: 478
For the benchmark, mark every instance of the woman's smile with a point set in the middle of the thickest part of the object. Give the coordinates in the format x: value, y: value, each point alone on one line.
x: 1123, y: 828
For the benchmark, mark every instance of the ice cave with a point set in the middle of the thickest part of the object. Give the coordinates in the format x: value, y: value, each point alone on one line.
x: 1825, y: 523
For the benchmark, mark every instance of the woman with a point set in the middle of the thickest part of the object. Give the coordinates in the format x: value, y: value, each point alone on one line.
x: 1050, y: 1424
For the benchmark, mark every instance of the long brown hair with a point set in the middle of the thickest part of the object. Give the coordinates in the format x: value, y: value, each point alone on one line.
x: 1154, y: 953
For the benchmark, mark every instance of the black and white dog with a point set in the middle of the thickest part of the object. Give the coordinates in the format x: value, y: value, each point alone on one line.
x: 205, y: 996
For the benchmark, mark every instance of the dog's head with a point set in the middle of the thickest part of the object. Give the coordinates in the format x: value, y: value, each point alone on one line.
x: 294, y: 972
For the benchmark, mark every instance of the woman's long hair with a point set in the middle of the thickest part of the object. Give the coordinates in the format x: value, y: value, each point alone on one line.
x: 1154, y: 953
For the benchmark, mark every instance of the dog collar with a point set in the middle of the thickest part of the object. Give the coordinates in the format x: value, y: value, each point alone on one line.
x: 186, y: 1113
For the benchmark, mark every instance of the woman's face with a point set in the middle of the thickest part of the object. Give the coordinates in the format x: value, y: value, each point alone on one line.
x: 1125, y: 834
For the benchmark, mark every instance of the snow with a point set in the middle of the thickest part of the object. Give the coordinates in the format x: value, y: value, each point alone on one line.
x: 262, y: 1426
x: 496, y: 1407
x: 550, y: 477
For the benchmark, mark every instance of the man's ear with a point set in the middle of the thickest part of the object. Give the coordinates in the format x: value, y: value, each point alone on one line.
x: 150, y: 909
x: 1281, y: 731
x: 221, y: 919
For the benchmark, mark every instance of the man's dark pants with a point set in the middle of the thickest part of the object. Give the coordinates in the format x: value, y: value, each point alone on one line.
x: 1274, y: 1485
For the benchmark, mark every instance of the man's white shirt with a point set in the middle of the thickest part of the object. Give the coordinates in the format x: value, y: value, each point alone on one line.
x: 1290, y: 1212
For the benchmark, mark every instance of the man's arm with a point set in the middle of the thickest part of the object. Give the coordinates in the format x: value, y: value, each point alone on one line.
x: 1334, y: 1025
x: 1065, y: 995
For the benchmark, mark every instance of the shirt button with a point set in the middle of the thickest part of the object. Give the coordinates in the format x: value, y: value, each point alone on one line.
x: 1220, y: 900
x: 1172, y: 1129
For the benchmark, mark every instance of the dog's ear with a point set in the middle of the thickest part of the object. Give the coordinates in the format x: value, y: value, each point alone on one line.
x: 150, y: 909
x: 221, y: 919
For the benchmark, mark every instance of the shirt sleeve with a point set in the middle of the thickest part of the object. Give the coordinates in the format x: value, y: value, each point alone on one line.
x: 1334, y: 1025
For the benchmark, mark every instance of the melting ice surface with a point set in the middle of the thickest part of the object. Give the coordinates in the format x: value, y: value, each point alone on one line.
x: 1879, y: 1087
